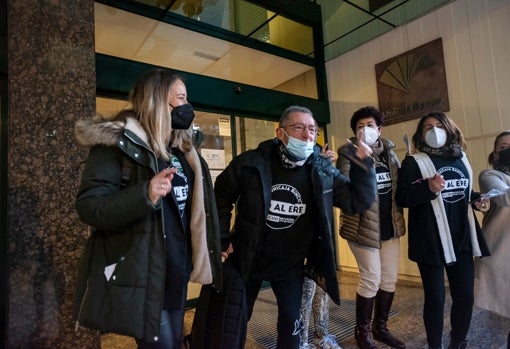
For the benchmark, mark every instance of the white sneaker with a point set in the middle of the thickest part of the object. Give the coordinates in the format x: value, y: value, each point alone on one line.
x: 328, y: 342
x: 305, y: 346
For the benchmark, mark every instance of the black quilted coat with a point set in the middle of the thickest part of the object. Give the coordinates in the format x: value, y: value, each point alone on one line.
x: 246, y: 182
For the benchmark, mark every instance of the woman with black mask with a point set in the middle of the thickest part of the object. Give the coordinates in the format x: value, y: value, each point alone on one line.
x: 148, y: 195
x: 493, y: 274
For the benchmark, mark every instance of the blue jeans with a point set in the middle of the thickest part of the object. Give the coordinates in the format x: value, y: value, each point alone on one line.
x: 288, y: 297
x: 170, y: 331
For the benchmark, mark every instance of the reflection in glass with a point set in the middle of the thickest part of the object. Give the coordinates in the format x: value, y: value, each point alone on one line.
x: 245, y: 18
x: 138, y: 38
x: 251, y: 132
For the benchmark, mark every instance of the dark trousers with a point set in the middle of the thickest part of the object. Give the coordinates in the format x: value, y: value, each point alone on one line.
x: 461, y: 281
x: 170, y: 331
x: 288, y: 298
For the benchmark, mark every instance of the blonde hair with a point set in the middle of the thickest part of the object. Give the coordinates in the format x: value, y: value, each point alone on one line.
x: 149, y: 99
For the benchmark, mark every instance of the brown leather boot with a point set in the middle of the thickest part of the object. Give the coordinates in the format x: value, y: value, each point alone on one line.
x: 383, y: 301
x: 364, y: 307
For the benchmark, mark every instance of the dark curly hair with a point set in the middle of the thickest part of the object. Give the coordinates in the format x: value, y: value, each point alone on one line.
x: 366, y: 112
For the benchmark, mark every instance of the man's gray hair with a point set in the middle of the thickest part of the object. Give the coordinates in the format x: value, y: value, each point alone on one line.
x: 291, y: 109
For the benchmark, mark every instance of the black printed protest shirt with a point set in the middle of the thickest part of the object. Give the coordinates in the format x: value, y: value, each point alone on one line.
x: 455, y: 199
x: 289, y: 224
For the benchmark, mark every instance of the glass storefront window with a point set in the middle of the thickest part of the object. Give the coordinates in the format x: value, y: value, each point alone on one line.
x: 245, y: 18
x: 137, y: 38
x: 251, y: 132
x: 215, y: 140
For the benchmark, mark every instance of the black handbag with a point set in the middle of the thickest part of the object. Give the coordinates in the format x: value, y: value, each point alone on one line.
x: 221, y: 318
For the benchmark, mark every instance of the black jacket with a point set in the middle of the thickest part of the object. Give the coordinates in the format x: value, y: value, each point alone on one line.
x: 128, y: 232
x: 247, y: 181
x: 424, y: 240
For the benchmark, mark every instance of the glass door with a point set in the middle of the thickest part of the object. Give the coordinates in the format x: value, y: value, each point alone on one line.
x: 251, y: 132
x: 212, y: 133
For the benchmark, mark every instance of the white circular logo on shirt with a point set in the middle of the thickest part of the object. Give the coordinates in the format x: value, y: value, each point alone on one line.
x: 286, y: 207
x: 456, y: 184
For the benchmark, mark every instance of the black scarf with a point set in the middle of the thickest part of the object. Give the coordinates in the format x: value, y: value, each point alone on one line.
x: 447, y: 151
x: 288, y: 161
x: 505, y: 168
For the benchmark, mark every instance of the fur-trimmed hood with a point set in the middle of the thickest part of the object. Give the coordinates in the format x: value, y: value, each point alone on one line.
x: 100, y: 130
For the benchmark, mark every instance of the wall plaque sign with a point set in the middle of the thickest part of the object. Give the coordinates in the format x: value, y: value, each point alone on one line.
x: 413, y: 83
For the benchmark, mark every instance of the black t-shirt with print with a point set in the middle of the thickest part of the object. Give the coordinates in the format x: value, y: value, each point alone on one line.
x: 176, y: 207
x: 289, y: 224
x: 385, y: 190
x: 180, y: 189
x: 455, y: 199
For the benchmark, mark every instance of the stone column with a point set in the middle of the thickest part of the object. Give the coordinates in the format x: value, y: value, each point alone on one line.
x: 51, y: 77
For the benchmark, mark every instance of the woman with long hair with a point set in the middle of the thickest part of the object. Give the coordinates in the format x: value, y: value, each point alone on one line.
x: 148, y: 196
x: 435, y: 183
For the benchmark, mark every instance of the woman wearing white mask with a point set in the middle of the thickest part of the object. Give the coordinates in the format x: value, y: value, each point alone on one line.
x: 435, y: 183
x: 374, y: 235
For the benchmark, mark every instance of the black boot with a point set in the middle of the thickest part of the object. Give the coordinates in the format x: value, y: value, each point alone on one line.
x: 364, y: 307
x: 456, y: 344
x: 383, y: 301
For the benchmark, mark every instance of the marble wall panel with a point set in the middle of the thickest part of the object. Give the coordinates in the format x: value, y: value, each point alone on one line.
x: 51, y: 84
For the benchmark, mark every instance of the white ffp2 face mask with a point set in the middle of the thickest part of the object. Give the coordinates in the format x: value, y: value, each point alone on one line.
x: 435, y: 137
x: 301, y: 150
x: 371, y: 135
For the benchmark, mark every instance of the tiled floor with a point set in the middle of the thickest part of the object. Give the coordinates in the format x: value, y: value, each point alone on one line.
x: 488, y: 331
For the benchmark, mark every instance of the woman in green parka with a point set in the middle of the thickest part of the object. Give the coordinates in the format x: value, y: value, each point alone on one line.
x: 148, y: 196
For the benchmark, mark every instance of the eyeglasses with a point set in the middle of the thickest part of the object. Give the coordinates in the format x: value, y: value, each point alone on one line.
x: 301, y: 128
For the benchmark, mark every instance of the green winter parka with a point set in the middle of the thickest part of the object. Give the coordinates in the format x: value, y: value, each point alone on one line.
x: 122, y: 271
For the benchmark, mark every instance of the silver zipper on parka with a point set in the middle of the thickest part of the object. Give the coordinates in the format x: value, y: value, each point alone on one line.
x: 77, y: 325
x: 157, y: 167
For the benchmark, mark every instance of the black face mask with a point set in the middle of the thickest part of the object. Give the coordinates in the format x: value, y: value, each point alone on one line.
x: 504, y: 157
x: 182, y: 116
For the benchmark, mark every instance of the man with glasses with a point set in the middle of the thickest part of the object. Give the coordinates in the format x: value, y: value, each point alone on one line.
x: 284, y: 192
